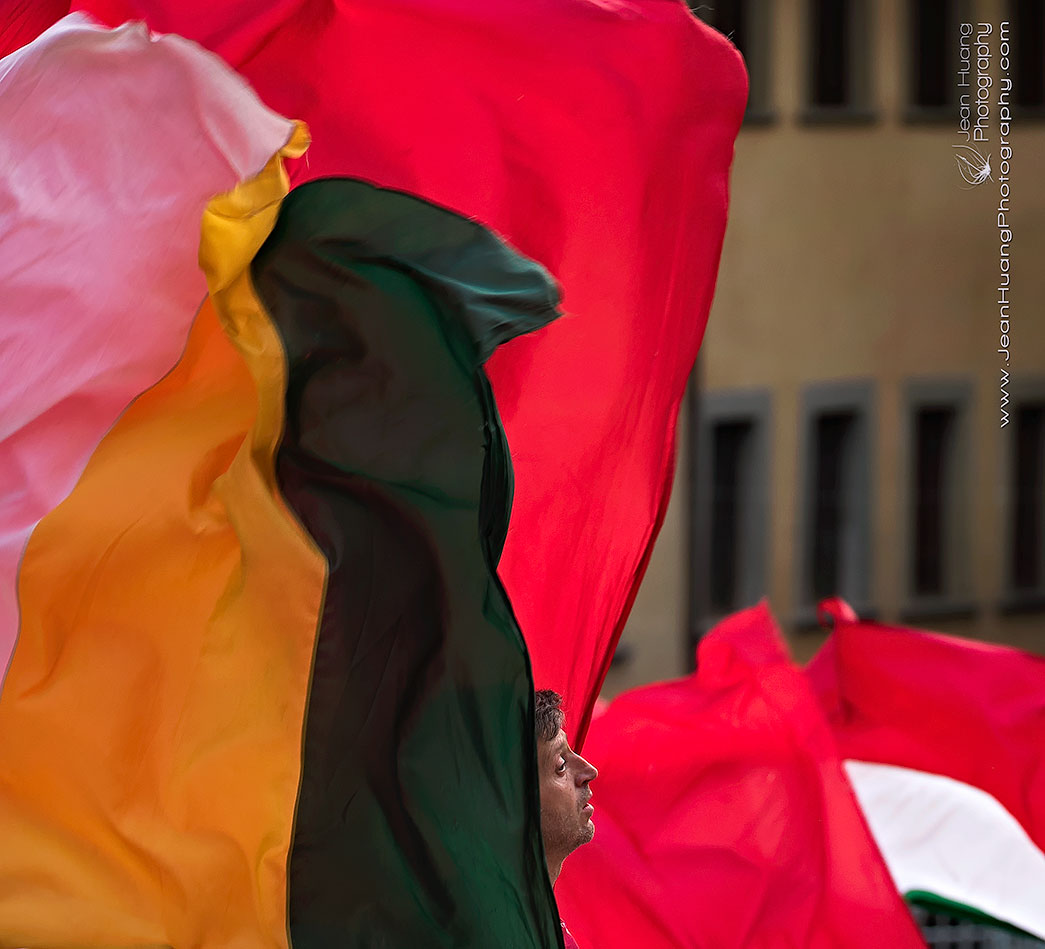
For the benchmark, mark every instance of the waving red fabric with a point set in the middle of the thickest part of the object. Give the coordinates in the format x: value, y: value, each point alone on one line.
x: 723, y: 816
x: 597, y: 138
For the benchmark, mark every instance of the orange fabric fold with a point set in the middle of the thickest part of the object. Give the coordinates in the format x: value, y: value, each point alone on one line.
x: 152, y: 718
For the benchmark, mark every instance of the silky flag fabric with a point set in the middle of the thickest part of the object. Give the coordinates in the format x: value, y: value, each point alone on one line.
x: 267, y: 686
x: 150, y: 718
x: 724, y: 818
x: 597, y: 141
x: 596, y: 138
x: 948, y: 734
x: 418, y: 821
x: 99, y: 245
x: 22, y: 21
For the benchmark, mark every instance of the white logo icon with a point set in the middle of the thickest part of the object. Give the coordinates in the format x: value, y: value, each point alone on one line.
x: 972, y: 166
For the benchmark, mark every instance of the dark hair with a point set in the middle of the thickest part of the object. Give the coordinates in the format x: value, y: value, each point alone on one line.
x: 548, y: 714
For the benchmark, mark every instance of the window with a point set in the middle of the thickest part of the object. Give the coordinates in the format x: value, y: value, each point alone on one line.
x: 1023, y: 451
x: 834, y: 455
x: 747, y: 24
x: 933, y: 57
x: 831, y: 53
x: 937, y: 562
x: 729, y: 531
x: 1027, y: 530
x: 933, y: 459
x: 932, y: 40
x: 839, y: 60
x: 1027, y: 29
x: 835, y: 519
x: 942, y: 930
x: 730, y: 468
x: 729, y: 17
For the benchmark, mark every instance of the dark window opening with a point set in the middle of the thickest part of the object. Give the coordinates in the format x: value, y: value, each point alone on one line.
x: 932, y: 43
x: 731, y: 452
x: 831, y: 493
x: 729, y: 17
x: 746, y: 23
x: 831, y: 54
x: 933, y: 453
x: 1027, y: 30
x: 944, y: 931
x: 1028, y: 510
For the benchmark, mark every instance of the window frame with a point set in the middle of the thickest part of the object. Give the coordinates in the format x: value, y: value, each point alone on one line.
x: 1022, y: 389
x: 953, y: 601
x: 961, y: 12
x: 857, y: 396
x: 1020, y: 112
x: 759, y: 16
x: 754, y: 407
x: 862, y: 107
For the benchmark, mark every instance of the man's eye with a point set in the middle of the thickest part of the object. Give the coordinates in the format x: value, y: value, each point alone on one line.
x: 562, y: 766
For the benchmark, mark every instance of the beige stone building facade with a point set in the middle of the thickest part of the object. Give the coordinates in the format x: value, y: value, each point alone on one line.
x: 846, y: 432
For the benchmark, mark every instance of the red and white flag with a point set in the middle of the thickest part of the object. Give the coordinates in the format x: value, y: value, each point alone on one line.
x: 724, y: 817
x: 944, y: 741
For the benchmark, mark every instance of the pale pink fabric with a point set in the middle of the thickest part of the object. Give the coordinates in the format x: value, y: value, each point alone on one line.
x: 111, y: 144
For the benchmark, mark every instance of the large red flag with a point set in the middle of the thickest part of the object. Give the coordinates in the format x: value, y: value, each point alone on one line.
x: 596, y: 138
x: 945, y: 745
x: 22, y: 21
x: 724, y: 818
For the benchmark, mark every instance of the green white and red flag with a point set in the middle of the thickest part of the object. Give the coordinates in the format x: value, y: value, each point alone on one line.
x: 944, y: 742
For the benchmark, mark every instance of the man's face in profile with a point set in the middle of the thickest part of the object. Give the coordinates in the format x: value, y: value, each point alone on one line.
x: 565, y: 812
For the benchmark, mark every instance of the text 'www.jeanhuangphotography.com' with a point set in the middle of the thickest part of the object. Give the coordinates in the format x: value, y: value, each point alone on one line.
x: 980, y: 46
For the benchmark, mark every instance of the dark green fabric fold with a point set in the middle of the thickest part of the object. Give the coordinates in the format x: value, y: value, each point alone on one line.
x: 418, y: 818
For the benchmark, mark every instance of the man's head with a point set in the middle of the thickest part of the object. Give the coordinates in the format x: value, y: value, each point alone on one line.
x: 564, y: 778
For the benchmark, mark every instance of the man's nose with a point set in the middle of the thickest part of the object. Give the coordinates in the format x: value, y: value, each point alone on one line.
x: 588, y: 771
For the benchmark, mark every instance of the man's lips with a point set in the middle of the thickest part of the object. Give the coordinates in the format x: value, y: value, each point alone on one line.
x: 588, y: 809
